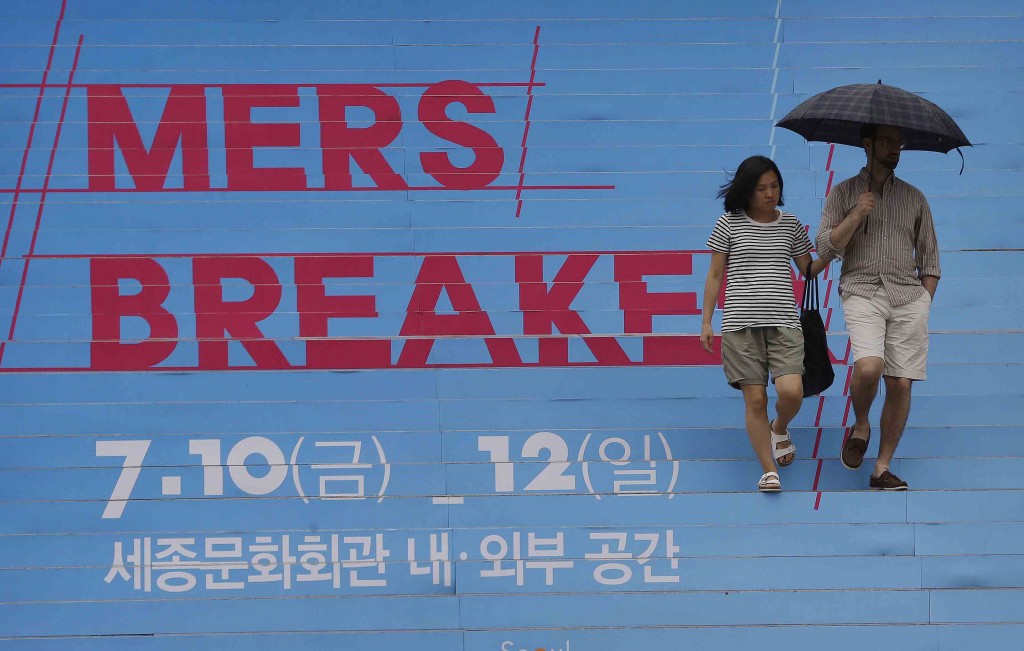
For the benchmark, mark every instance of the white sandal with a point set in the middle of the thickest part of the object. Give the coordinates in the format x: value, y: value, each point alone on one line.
x: 769, y: 483
x: 777, y: 452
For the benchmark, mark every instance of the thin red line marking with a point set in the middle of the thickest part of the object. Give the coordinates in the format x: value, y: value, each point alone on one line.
x: 67, y: 190
x: 74, y: 256
x: 817, y: 440
x: 817, y: 423
x: 526, y: 119
x: 828, y: 320
x: 817, y: 417
x: 828, y: 168
x: 509, y: 84
x: 193, y: 369
x: 849, y: 402
x: 31, y: 131
x: 42, y: 197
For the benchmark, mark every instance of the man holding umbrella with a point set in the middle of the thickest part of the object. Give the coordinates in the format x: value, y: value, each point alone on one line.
x: 881, y: 227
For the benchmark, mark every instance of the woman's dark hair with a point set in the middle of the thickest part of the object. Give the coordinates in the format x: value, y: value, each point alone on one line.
x: 737, y: 191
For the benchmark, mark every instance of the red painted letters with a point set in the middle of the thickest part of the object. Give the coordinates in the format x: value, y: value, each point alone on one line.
x: 489, y: 156
x: 442, y: 272
x: 109, y: 306
x: 545, y: 311
x: 184, y: 122
x: 215, y: 316
x: 316, y: 308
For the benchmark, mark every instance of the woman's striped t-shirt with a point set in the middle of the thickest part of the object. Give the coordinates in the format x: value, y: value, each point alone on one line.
x: 759, y: 288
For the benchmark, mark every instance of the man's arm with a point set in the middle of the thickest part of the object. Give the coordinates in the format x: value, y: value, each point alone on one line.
x: 930, y: 283
x: 926, y: 250
x: 843, y: 226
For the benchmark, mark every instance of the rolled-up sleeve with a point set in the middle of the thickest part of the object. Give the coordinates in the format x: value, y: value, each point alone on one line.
x: 926, y: 246
x: 831, y: 216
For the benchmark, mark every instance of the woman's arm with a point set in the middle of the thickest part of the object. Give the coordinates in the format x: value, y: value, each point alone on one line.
x: 712, y: 288
x: 817, y: 266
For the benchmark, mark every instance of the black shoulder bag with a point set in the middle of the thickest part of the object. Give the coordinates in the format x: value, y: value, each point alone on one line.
x: 818, y: 372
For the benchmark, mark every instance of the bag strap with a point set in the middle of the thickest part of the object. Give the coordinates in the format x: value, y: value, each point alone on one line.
x: 810, y: 302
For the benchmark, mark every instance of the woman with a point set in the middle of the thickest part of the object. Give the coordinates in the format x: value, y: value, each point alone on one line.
x: 755, y: 242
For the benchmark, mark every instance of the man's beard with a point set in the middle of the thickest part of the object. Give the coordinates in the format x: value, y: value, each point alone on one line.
x: 888, y: 163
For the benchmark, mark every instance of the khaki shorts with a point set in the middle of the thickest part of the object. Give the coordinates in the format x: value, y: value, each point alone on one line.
x: 748, y: 354
x: 898, y: 335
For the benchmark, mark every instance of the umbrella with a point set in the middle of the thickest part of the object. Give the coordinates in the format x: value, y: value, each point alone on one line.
x: 837, y: 116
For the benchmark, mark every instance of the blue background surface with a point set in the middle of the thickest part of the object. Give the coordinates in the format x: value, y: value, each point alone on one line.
x: 581, y: 504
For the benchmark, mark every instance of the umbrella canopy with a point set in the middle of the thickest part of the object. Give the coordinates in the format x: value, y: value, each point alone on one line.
x: 837, y: 116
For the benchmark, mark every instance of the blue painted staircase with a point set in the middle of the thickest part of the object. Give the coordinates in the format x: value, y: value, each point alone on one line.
x: 374, y: 327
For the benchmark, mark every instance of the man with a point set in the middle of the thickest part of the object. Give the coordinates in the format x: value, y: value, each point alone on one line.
x: 881, y: 228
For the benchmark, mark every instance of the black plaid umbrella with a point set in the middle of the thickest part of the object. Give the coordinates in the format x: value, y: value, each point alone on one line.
x: 837, y: 116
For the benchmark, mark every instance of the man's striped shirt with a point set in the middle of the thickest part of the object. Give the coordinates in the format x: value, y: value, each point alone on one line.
x: 759, y: 287
x: 898, y: 248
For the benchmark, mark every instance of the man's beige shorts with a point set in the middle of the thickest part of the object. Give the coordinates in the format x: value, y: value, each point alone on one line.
x: 898, y: 335
x: 748, y: 354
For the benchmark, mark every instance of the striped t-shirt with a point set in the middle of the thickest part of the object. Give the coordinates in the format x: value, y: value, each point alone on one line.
x: 759, y: 288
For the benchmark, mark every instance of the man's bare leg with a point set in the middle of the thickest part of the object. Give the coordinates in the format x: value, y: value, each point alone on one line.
x: 863, y: 388
x: 894, y: 419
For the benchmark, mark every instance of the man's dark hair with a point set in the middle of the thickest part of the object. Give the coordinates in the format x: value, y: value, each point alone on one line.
x: 868, y: 131
x: 737, y: 191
